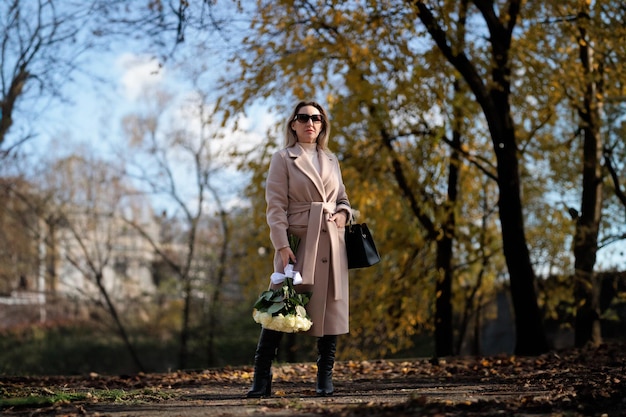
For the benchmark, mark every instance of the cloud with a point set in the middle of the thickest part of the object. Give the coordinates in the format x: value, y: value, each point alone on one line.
x: 138, y: 72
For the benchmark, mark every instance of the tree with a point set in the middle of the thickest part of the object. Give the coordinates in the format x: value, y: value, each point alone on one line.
x: 197, y: 254
x: 493, y: 94
x: 40, y: 44
x: 19, y: 235
x: 588, y: 223
x: 599, y: 35
x: 77, y: 212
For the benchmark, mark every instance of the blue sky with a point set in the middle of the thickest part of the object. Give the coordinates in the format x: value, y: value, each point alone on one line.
x: 115, y: 87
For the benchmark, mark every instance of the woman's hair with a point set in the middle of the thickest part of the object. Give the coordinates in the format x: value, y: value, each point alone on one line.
x: 322, y: 138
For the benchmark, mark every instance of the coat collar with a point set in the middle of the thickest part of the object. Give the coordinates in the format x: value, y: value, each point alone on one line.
x: 318, y: 178
x: 296, y: 151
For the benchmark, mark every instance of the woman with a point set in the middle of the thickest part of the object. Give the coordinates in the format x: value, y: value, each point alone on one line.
x: 306, y: 197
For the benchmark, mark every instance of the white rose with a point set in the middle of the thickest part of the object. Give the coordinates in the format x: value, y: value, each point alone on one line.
x: 300, y: 311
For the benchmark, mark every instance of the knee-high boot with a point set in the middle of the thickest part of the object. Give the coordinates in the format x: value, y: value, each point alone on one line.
x: 265, y: 354
x: 326, y: 346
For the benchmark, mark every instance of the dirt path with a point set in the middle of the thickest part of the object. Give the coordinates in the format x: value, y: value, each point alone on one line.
x: 364, y: 397
x: 575, y: 383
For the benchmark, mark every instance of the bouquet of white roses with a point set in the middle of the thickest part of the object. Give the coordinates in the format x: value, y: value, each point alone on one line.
x: 283, y: 309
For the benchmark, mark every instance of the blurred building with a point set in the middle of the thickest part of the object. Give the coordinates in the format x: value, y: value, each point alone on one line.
x: 56, y: 262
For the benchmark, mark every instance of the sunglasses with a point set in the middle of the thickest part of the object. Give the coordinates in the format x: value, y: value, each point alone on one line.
x: 304, y: 118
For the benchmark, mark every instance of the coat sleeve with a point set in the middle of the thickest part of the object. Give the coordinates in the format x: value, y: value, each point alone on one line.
x: 343, y: 203
x: 277, y: 199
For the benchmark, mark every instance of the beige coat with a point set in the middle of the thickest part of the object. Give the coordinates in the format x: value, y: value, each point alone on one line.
x: 300, y: 201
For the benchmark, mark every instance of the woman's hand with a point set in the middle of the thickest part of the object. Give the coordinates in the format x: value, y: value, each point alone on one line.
x: 340, y: 218
x: 287, y: 254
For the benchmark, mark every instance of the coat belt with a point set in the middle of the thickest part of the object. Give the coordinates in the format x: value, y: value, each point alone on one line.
x: 319, y: 212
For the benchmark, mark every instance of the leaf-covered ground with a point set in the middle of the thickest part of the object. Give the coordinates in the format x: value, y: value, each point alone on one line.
x: 576, y: 382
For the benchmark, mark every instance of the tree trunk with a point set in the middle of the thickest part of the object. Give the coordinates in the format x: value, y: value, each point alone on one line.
x: 8, y: 101
x: 587, y: 323
x: 217, y: 287
x: 444, y: 337
x: 529, y: 331
x: 118, y: 323
x: 443, y: 303
x: 183, y: 352
x: 443, y: 285
x: 493, y: 96
x: 478, y: 325
x: 185, y: 333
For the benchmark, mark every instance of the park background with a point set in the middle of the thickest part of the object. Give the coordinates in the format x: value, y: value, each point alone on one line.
x: 482, y: 142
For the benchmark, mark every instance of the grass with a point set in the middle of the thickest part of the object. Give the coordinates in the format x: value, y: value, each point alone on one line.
x: 47, y: 397
x: 83, y: 348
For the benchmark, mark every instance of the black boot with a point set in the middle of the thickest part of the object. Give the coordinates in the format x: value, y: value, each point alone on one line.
x: 326, y: 346
x: 265, y: 353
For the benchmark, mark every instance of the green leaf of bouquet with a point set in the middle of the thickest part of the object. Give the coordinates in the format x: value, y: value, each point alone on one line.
x: 275, y: 308
x: 263, y: 300
x: 294, y: 242
x: 262, y: 304
x: 265, y: 296
x: 305, y: 298
x: 277, y: 298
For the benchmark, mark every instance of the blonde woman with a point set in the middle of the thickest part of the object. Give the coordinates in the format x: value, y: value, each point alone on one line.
x: 306, y: 197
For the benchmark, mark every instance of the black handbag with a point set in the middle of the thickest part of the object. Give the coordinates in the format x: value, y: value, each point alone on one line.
x: 360, y: 245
